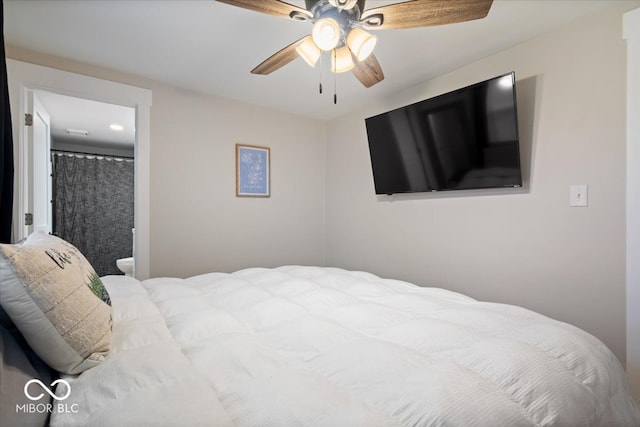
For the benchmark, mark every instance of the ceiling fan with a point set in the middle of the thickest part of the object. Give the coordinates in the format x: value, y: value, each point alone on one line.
x: 339, y: 27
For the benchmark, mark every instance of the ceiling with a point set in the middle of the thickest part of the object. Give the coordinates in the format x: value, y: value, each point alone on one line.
x: 71, y: 117
x: 210, y: 47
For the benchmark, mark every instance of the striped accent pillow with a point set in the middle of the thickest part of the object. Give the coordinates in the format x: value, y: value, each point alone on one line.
x: 57, y: 301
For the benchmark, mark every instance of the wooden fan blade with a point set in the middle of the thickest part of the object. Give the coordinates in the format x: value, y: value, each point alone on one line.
x: 423, y: 13
x: 278, y: 59
x: 368, y: 71
x: 271, y: 7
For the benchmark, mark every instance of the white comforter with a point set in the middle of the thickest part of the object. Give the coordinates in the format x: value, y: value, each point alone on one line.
x: 306, y: 346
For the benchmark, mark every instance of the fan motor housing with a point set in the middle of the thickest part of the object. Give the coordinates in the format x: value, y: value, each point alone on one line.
x: 311, y: 3
x: 323, y: 8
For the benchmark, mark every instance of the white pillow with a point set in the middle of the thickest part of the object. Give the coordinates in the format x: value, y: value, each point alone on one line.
x: 57, y: 301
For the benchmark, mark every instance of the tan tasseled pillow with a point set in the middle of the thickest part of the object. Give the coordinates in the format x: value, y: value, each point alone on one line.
x: 57, y: 301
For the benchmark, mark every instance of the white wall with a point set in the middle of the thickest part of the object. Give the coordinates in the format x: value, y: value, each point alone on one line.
x: 632, y: 36
x: 526, y: 247
x: 198, y: 224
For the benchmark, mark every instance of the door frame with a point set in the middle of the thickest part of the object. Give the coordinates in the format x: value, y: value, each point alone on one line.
x: 22, y: 77
x: 39, y: 115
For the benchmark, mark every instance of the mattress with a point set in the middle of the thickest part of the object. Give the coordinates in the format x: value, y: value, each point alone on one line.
x: 310, y: 346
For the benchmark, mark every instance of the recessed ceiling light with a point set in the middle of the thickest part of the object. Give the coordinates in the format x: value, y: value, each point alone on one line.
x: 116, y: 127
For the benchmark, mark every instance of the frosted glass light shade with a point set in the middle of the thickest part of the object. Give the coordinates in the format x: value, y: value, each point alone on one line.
x: 341, y: 61
x: 326, y: 33
x: 309, y: 51
x: 361, y: 43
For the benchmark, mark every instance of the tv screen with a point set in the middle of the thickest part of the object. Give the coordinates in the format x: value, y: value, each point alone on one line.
x: 465, y: 139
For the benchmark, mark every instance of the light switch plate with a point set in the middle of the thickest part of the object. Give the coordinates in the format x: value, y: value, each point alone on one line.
x: 579, y: 195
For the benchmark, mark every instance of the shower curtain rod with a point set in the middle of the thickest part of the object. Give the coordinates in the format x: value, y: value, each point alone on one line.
x: 81, y: 153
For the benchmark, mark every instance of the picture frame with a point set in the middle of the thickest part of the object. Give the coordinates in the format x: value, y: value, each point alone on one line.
x: 253, y: 171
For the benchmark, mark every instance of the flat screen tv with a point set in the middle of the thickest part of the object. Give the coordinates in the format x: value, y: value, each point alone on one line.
x: 465, y: 139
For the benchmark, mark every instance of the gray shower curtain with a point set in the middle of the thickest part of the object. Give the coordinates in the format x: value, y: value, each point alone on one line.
x: 93, y: 207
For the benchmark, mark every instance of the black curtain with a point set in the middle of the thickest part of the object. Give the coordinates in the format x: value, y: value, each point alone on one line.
x: 93, y: 207
x: 6, y: 145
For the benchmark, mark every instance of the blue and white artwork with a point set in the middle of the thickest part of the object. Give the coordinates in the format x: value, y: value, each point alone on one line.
x: 252, y: 171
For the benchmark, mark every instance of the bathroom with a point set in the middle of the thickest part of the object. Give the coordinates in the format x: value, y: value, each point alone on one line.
x: 92, y: 179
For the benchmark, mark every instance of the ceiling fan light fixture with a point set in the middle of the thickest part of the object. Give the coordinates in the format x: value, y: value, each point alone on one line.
x: 326, y: 33
x: 343, y: 4
x: 309, y: 51
x: 361, y: 43
x: 341, y: 61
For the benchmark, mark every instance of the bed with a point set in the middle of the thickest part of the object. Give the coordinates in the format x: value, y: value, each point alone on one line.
x: 312, y: 346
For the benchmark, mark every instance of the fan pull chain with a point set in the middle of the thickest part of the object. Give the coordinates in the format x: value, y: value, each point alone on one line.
x: 321, y: 67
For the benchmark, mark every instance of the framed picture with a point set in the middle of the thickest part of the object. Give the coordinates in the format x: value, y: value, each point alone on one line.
x: 253, y: 171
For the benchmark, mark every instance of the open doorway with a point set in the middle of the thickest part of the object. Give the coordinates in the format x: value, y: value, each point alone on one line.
x: 91, y: 155
x: 22, y: 77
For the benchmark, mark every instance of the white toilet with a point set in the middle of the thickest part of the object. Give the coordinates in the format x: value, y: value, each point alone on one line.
x: 126, y: 265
